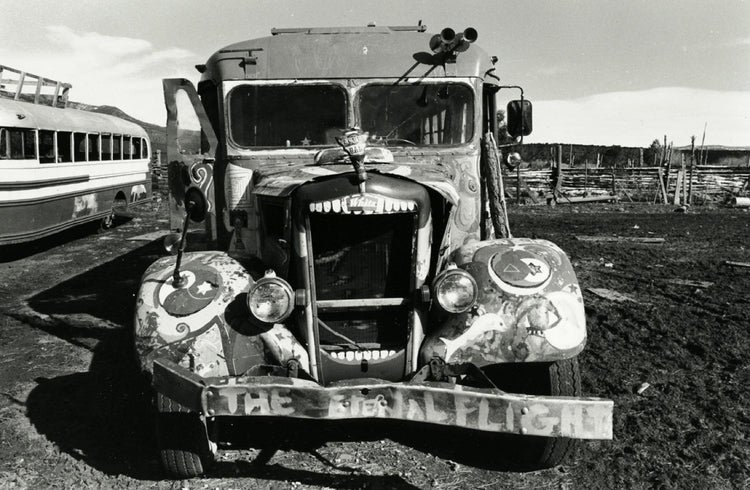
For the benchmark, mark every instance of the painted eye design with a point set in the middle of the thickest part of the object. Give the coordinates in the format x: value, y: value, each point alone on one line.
x: 519, y: 271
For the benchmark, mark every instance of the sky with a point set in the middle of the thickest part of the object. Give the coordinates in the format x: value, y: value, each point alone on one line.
x: 605, y: 72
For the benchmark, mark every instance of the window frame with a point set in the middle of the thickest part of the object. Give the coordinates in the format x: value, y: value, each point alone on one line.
x: 427, y: 82
x: 60, y: 137
x: 102, y: 138
x: 230, y: 87
x: 41, y: 135
x: 85, y: 142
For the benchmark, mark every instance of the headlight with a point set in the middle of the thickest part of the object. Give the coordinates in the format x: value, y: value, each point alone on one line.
x: 455, y: 290
x: 271, y: 299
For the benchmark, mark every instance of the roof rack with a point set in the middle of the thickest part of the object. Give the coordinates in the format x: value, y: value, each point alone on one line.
x: 15, y: 87
x: 346, y: 30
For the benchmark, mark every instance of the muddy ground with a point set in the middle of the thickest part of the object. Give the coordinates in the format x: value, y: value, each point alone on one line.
x: 74, y: 415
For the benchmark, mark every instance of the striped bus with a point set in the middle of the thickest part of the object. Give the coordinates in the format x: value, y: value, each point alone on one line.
x: 61, y: 167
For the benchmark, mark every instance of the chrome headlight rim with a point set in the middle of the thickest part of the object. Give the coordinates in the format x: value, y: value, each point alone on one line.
x: 282, y: 286
x: 452, y: 272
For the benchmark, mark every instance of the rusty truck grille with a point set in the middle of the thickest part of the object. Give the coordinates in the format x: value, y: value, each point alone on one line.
x: 362, y: 257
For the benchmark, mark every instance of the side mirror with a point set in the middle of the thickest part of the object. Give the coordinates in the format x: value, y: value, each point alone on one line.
x: 195, y: 204
x: 519, y: 118
x: 172, y: 243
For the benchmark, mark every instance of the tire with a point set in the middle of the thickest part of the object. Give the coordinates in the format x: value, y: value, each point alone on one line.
x: 107, y: 222
x: 560, y: 378
x: 119, y: 206
x: 182, y: 440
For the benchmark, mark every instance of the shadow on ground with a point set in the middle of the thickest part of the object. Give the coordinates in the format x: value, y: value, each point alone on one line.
x: 9, y: 253
x: 103, y: 417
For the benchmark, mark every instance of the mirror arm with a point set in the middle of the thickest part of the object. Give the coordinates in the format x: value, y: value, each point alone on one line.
x: 177, y: 280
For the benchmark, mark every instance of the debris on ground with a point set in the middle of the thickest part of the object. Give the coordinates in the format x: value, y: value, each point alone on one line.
x: 610, y: 294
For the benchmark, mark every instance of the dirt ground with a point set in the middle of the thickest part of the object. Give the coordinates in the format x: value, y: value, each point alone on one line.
x: 672, y: 355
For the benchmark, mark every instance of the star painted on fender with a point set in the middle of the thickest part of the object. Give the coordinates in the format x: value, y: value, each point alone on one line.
x: 305, y: 142
x: 204, y: 287
x: 535, y: 269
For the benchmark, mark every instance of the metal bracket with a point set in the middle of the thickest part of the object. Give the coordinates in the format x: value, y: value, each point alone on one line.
x: 438, y: 370
x: 292, y: 368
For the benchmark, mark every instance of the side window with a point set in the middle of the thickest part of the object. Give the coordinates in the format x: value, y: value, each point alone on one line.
x: 79, y: 147
x: 23, y: 144
x: 93, y: 147
x: 64, y: 153
x: 4, y: 144
x: 106, y: 147
x: 117, y: 147
x: 137, y: 148
x: 46, y: 146
x: 127, y: 150
x: 144, y: 148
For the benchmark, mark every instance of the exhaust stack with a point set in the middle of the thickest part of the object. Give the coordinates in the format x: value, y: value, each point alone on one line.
x: 451, y: 43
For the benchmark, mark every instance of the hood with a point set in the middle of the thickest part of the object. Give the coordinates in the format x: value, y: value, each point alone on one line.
x: 281, y: 179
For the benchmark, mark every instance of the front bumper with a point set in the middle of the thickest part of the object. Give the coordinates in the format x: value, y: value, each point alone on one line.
x: 489, y: 410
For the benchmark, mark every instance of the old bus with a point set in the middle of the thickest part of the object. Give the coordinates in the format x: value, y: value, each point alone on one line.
x: 358, y: 261
x: 60, y: 167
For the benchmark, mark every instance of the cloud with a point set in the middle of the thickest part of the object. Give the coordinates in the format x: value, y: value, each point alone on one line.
x: 93, y: 43
x: 104, y: 70
x: 637, y: 118
x: 743, y: 41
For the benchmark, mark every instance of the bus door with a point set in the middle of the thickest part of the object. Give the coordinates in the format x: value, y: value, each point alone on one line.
x: 191, y: 152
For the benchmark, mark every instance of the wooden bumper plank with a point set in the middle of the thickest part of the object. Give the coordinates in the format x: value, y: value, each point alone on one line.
x: 485, y: 410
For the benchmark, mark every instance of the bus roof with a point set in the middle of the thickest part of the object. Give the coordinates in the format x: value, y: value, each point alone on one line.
x: 17, y: 114
x: 342, y: 52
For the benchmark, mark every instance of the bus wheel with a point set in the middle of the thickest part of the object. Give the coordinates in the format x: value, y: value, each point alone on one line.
x: 119, y: 207
x: 182, y: 440
x: 107, y: 222
x: 560, y: 378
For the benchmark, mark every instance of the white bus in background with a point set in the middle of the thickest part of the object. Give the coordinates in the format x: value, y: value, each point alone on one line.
x: 61, y: 167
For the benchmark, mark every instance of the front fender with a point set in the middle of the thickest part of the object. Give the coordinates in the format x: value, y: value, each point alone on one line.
x: 203, y: 326
x: 529, y: 306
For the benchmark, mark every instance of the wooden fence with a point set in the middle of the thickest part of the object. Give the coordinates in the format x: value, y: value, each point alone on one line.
x: 709, y: 183
x: 158, y: 174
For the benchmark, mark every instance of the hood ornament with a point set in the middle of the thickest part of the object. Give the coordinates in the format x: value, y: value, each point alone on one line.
x: 354, y: 143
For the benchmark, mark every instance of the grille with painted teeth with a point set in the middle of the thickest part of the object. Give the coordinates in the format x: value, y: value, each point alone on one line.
x: 362, y: 256
x: 358, y: 355
x: 363, y: 205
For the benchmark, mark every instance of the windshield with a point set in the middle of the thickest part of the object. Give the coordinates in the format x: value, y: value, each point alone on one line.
x: 285, y: 115
x: 425, y: 114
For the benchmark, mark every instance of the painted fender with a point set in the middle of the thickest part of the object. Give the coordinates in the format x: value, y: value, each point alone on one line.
x: 205, y: 326
x: 529, y: 306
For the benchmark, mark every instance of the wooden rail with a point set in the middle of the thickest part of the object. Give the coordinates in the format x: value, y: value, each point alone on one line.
x: 15, y: 87
x: 709, y: 183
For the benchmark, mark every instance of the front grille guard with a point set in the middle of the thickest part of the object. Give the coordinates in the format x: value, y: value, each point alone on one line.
x: 432, y: 402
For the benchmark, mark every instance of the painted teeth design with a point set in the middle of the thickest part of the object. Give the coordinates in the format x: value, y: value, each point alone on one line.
x: 358, y: 355
x: 353, y: 205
